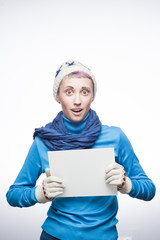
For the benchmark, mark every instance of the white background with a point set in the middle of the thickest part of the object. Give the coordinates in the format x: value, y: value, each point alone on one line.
x: 120, y: 42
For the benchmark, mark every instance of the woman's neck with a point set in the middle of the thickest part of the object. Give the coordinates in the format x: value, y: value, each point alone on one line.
x: 75, y: 127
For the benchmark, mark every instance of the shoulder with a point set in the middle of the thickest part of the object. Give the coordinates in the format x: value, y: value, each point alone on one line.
x: 39, y: 144
x: 38, y: 141
x: 37, y: 149
x: 41, y: 151
x: 112, y: 130
x: 115, y: 133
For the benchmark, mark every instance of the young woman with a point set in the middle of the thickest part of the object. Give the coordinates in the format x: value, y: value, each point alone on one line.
x: 77, y: 126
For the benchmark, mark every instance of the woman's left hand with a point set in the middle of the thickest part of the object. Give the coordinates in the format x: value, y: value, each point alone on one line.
x: 115, y: 174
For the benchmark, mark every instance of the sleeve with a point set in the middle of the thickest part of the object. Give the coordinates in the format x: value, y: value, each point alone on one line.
x: 22, y: 192
x: 142, y: 186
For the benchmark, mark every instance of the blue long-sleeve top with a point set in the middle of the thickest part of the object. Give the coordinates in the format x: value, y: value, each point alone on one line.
x: 78, y: 218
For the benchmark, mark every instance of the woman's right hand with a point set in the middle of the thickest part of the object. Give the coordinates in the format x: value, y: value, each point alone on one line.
x: 51, y: 187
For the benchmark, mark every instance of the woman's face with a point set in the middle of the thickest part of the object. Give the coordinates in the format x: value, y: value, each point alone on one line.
x: 75, y: 96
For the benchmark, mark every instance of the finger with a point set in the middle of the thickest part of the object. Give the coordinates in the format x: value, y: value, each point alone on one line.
x: 48, y: 172
x: 113, y: 178
x: 48, y: 188
x: 54, y: 185
x: 116, y: 182
x: 53, y: 195
x: 53, y: 179
x: 113, y: 172
x: 54, y: 190
x: 109, y: 167
x: 113, y: 166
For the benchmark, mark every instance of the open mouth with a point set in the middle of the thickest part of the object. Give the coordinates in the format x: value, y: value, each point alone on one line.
x: 77, y: 110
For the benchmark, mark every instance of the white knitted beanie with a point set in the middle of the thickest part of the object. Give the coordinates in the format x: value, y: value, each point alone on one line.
x: 67, y: 68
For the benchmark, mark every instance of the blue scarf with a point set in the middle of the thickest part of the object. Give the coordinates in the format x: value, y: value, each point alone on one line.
x: 56, y: 137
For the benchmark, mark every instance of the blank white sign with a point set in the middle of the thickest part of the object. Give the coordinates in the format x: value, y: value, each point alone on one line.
x: 83, y: 171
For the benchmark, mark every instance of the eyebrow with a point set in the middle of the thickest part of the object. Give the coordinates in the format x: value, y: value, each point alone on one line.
x: 86, y: 88
x: 69, y: 87
x: 73, y: 87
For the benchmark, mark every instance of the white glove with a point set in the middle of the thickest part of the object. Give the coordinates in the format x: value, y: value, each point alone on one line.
x: 51, y: 187
x: 115, y: 174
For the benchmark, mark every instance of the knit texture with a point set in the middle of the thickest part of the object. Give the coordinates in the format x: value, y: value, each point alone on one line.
x: 70, y: 67
x: 56, y: 137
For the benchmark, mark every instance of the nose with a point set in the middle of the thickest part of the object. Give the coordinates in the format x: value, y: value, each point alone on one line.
x: 77, y: 99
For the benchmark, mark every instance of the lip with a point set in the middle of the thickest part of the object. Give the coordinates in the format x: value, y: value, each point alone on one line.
x: 76, y: 111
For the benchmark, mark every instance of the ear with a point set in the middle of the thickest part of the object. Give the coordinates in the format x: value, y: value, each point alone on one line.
x: 92, y: 98
x: 57, y: 99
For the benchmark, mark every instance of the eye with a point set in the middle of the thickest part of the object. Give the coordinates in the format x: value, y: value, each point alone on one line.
x: 69, y: 92
x: 85, y: 92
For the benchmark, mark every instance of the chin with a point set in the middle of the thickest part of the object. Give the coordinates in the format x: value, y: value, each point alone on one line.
x: 77, y: 119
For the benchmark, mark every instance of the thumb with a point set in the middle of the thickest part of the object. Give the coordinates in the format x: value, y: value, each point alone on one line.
x: 48, y: 172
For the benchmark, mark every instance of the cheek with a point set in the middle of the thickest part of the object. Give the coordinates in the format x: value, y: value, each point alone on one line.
x: 65, y: 103
x: 88, y: 103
